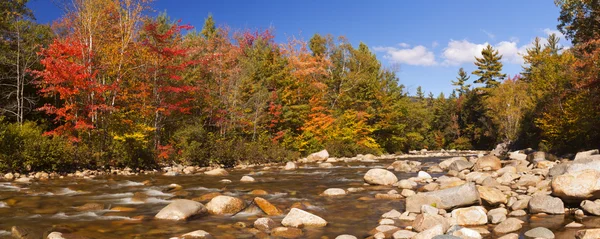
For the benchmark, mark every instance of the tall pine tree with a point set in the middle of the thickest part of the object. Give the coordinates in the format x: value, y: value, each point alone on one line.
x: 489, y: 68
x: 460, y: 82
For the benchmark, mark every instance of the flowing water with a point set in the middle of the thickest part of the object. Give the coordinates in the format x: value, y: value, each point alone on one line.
x: 51, y: 205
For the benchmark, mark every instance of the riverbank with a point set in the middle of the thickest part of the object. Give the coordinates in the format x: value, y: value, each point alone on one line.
x: 530, y: 194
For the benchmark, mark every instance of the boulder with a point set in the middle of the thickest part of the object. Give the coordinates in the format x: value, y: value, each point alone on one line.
x: 490, y: 162
x: 591, y: 207
x: 501, y: 149
x: 300, y: 218
x: 318, y: 156
x: 423, y: 175
x: 332, y: 192
x: 221, y: 205
x: 267, y: 207
x: 470, y: 216
x: 426, y: 221
x: 406, y: 184
x: 247, y: 179
x: 290, y: 166
x: 508, y: 225
x: 576, y: 186
x: 491, y: 196
x: 539, y: 233
x: 536, y: 157
x: 393, y: 214
x: 378, y: 176
x: 588, y: 234
x: 546, y: 204
x: 264, y: 224
x: 446, y: 163
x: 497, y: 215
x: 445, y: 199
x: 181, y: 209
x: 55, y: 235
x: 585, y: 154
x: 217, y: 172
x: 460, y: 165
x: 517, y: 155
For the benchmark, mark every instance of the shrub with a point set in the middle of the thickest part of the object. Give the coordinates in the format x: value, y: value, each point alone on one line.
x: 24, y: 148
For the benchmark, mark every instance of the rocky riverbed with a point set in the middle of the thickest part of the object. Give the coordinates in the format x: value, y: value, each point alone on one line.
x: 424, y: 195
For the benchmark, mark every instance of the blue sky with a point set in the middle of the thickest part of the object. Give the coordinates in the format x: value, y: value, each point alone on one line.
x: 426, y: 41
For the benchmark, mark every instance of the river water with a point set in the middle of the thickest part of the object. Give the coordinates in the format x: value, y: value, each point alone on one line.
x: 51, y: 205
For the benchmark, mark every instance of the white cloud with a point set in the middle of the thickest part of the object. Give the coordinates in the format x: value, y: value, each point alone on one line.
x: 464, y: 51
x: 434, y: 44
x: 549, y: 31
x: 403, y: 45
x: 459, y: 52
x: 416, y: 56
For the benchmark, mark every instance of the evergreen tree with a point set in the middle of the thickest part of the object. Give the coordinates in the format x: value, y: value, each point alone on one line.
x: 420, y: 94
x: 209, y: 30
x: 317, y: 45
x: 489, y: 68
x: 462, y: 78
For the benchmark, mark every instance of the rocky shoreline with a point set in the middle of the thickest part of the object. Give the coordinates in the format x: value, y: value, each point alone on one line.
x: 471, y: 196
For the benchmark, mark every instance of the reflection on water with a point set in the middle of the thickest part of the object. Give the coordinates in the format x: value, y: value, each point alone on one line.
x: 54, y: 203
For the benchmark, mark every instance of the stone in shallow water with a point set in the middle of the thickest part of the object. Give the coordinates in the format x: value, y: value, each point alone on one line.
x: 445, y: 199
x: 181, y: 209
x: 299, y: 218
x: 290, y: 166
x: 217, y: 172
x: 379, y: 176
x: 221, y: 205
x: 264, y: 224
x: 199, y: 234
x: 330, y: 192
x: 345, y: 236
x: 539, y: 232
x: 393, y: 214
x: 247, y: 179
x: 588, y: 234
x: 286, y: 232
x: 267, y: 207
x: 426, y: 221
x: 430, y: 233
x: 403, y: 234
x: 90, y: 207
x: 546, y: 204
x: 508, y: 225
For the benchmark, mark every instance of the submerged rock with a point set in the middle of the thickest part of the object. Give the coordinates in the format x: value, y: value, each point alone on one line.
x: 300, y: 218
x: 539, y: 233
x: 181, y: 209
x: 286, y: 232
x: 267, y: 207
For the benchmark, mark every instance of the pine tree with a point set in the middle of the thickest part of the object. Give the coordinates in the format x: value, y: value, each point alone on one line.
x: 317, y: 45
x: 489, y: 68
x: 462, y: 78
x: 420, y: 94
x: 209, y: 30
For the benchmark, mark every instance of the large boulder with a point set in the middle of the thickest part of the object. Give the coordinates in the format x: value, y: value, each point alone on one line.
x: 222, y: 204
x: 181, y: 209
x: 318, y: 156
x: 470, y: 216
x: 546, y: 204
x: 445, y: 199
x: 300, y: 218
x: 577, y: 186
x: 379, y: 176
x: 488, y: 162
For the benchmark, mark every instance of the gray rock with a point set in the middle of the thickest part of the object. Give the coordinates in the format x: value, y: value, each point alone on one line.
x: 517, y: 213
x: 578, y: 185
x: 445, y: 199
x: 539, y: 232
x: 181, y: 209
x: 492, y: 196
x: 497, y: 215
x: 318, y: 156
x: 546, y: 204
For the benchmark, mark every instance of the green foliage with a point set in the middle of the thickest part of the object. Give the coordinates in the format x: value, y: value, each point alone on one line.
x: 24, y: 148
